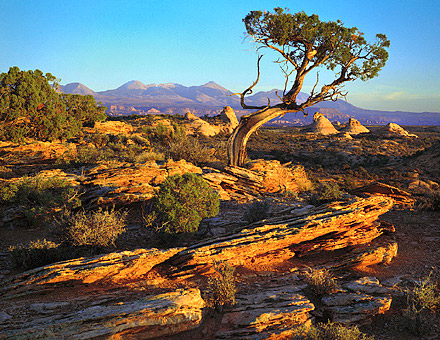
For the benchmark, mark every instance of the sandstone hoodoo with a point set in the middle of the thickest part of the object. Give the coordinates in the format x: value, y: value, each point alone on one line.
x: 394, y: 130
x: 229, y: 117
x: 322, y: 125
x: 354, y: 127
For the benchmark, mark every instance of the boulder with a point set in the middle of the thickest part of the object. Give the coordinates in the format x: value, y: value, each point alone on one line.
x: 259, y: 314
x: 365, y: 298
x: 229, y: 117
x: 394, y: 130
x: 113, y: 127
x: 197, y: 126
x: 354, y: 127
x: 322, y: 125
x: 345, y: 135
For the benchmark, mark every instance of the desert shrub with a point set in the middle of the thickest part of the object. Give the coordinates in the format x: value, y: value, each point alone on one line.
x: 422, y: 300
x: 329, y: 331
x: 40, y: 199
x: 130, y: 152
x: 119, y: 138
x: 320, y: 281
x: 100, y: 140
x: 164, y: 134
x: 96, y: 229
x: 140, y: 140
x: 326, y: 192
x: 149, y: 156
x: 256, y: 211
x: 87, y: 155
x: 189, y: 149
x: 36, y: 254
x: 429, y: 201
x: 222, y: 286
x: 182, y: 202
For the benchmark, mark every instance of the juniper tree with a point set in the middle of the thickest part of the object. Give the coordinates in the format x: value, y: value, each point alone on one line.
x: 304, y: 44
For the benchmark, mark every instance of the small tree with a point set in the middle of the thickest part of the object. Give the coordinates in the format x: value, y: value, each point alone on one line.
x: 304, y: 44
x: 84, y: 108
x: 31, y: 107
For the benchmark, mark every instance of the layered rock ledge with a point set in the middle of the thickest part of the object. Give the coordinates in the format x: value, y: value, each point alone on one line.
x: 151, y: 293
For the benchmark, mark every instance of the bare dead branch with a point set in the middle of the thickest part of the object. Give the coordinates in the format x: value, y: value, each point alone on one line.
x: 249, y: 91
x: 317, y: 80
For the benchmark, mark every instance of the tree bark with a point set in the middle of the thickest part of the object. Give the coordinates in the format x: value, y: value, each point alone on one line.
x: 248, y: 125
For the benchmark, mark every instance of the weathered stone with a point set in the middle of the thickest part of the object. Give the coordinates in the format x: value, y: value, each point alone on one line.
x: 285, y: 237
x: 354, y: 127
x: 126, y: 184
x: 393, y: 130
x: 229, y: 117
x: 261, y: 177
x: 352, y: 308
x: 112, y: 268
x: 400, y: 196
x: 146, y: 317
x: 197, y: 126
x: 280, y: 178
x: 113, y: 127
x: 369, y: 285
x: 321, y: 125
x: 259, y: 314
x: 34, y: 152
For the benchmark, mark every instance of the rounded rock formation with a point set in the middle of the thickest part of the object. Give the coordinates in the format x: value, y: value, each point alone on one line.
x: 354, y: 127
x: 322, y: 125
x: 392, y: 129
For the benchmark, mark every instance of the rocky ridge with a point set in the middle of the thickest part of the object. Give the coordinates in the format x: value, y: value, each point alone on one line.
x: 130, y: 294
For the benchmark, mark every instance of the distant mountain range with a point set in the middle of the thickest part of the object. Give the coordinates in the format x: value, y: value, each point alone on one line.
x: 136, y: 97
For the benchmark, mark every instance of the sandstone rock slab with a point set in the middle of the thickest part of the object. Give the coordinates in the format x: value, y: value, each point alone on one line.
x: 147, y: 317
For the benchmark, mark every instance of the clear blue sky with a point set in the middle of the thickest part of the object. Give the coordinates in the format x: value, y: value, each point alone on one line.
x: 104, y: 44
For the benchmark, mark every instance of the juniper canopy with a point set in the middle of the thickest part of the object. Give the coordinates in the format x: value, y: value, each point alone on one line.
x: 304, y: 44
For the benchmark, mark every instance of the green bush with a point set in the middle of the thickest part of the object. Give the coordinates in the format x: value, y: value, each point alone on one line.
x: 163, y: 134
x: 100, y: 140
x: 329, y: 331
x: 182, y: 202
x: 189, y: 149
x: 95, y: 229
x: 256, y: 211
x: 222, y: 287
x: 422, y: 300
x: 327, y: 192
x: 320, y: 281
x: 39, y: 198
x: 36, y: 254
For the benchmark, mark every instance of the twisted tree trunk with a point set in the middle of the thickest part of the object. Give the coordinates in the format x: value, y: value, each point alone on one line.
x: 248, y: 125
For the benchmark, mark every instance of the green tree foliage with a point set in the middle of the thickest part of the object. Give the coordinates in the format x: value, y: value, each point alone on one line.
x: 84, y: 108
x: 304, y: 44
x: 31, y: 107
x: 182, y: 202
